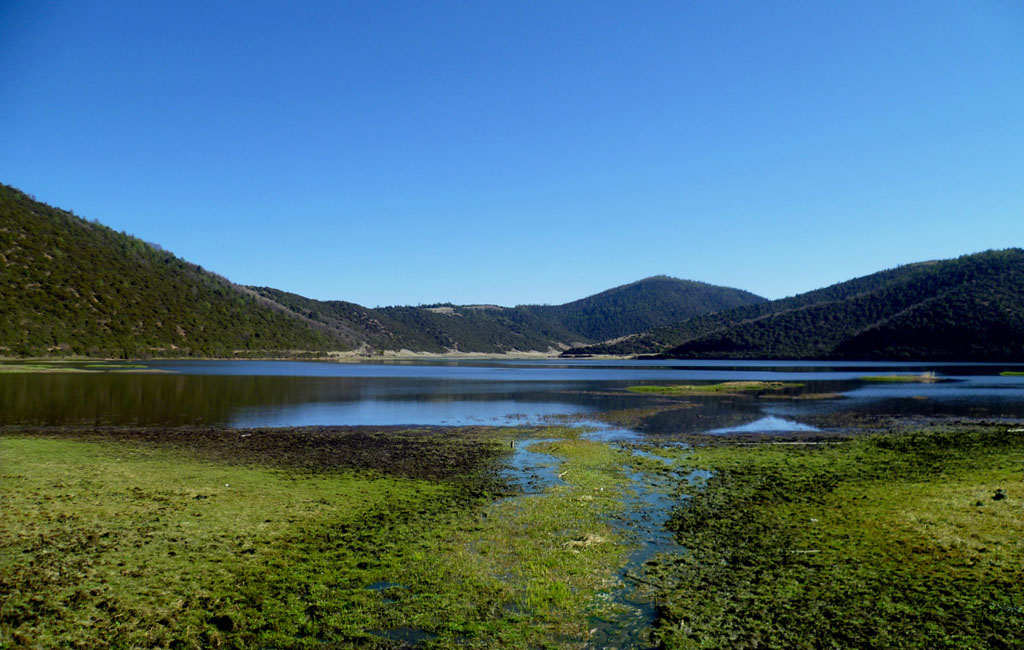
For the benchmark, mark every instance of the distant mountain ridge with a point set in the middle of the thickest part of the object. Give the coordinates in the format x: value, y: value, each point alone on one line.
x: 642, y: 305
x: 490, y: 328
x: 435, y: 328
x: 74, y: 287
x: 969, y: 308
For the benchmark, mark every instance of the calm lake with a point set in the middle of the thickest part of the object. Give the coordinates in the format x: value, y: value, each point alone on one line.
x: 289, y: 393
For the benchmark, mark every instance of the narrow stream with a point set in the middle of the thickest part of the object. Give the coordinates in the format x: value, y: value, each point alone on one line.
x: 531, y: 471
x: 647, y: 504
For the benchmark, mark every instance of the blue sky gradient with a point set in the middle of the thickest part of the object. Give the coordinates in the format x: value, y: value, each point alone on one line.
x: 521, y: 152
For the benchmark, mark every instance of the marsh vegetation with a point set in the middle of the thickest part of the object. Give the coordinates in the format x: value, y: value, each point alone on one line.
x: 910, y: 540
x: 197, y: 538
x: 389, y: 538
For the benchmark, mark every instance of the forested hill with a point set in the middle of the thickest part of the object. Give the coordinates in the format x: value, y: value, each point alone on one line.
x: 661, y: 339
x: 433, y: 328
x: 70, y: 286
x: 642, y: 305
x: 74, y: 287
x: 970, y: 308
x: 494, y: 329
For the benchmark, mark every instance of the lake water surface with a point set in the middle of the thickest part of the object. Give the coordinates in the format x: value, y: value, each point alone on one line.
x: 493, y: 392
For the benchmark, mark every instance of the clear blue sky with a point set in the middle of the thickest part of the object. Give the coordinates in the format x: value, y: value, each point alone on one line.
x: 473, y: 151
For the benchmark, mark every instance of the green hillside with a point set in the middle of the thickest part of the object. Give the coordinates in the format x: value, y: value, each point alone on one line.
x: 493, y: 329
x: 433, y: 328
x: 668, y: 336
x: 970, y: 308
x: 70, y: 286
x: 481, y: 328
x: 980, y: 321
x: 348, y: 322
x: 642, y: 305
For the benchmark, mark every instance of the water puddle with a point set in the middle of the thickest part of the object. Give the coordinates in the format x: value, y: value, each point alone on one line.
x: 381, y: 585
x: 408, y: 636
x: 650, y: 455
x: 698, y: 476
x: 602, y: 432
x: 532, y: 472
x: 769, y: 424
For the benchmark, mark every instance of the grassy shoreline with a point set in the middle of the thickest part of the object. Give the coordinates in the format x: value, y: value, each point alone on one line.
x: 334, y: 356
x: 922, y: 378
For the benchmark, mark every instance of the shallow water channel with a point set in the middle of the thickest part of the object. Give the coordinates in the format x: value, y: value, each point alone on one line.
x: 647, y: 504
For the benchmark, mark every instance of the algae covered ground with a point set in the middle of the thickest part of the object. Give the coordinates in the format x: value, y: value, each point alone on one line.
x: 907, y: 540
x: 489, y: 537
x: 302, y: 538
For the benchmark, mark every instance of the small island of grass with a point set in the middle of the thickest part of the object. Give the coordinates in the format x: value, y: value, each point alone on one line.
x: 26, y: 368
x: 1012, y: 373
x: 923, y: 378
x: 723, y: 388
x: 66, y: 367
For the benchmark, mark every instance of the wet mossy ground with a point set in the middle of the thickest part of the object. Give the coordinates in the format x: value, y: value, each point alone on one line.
x: 301, y: 538
x: 334, y: 537
x: 907, y: 540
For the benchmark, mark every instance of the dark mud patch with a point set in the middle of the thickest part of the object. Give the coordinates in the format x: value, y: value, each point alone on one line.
x: 435, y: 453
x: 853, y: 424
